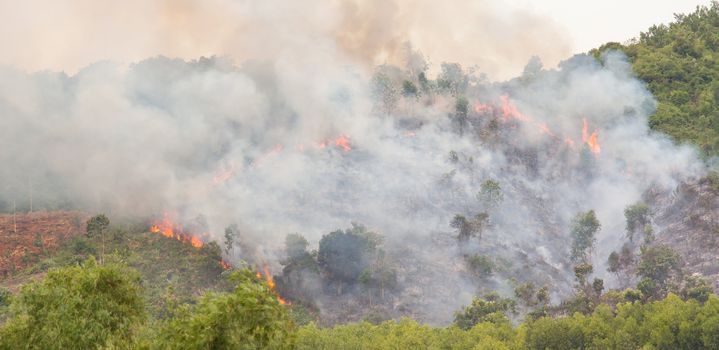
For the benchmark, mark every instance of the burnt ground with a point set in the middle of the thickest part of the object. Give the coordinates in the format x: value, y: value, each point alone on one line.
x: 26, y: 237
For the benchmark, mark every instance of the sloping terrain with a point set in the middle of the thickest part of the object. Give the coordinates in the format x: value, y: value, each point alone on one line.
x: 24, y: 237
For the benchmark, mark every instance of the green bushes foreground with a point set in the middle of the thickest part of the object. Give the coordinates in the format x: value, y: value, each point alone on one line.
x: 100, y: 306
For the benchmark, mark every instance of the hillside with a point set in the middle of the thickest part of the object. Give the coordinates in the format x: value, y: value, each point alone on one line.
x: 172, y: 271
x: 680, y: 64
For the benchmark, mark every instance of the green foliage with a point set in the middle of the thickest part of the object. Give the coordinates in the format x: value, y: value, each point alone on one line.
x: 638, y: 217
x: 250, y: 317
x: 492, y: 308
x: 490, y: 193
x: 232, y: 233
x: 658, y: 263
x: 80, y: 307
x: 345, y: 254
x: 295, y: 246
x: 583, y: 231
x: 409, y: 89
x: 5, y: 296
x: 480, y: 265
x: 468, y: 228
x: 679, y: 63
x: 96, y: 225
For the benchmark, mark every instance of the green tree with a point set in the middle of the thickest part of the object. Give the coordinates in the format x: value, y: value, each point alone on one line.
x: 80, y: 307
x: 96, y: 226
x: 232, y: 232
x: 658, y: 264
x: 250, y: 317
x: 638, y: 217
x: 295, y: 246
x: 583, y: 231
x: 343, y: 255
x: 490, y: 193
x: 492, y: 308
x: 468, y: 228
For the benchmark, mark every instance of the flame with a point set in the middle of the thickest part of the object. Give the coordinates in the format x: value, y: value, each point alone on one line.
x: 590, y: 139
x: 343, y: 142
x: 270, y: 283
x: 483, y: 108
x: 225, y: 265
x: 223, y: 176
x: 168, y: 229
x: 510, y: 112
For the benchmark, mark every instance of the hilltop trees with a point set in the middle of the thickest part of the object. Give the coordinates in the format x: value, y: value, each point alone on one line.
x: 679, y: 64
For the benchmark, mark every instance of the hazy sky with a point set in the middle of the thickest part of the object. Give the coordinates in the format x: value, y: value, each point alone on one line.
x: 499, y: 37
x: 592, y: 23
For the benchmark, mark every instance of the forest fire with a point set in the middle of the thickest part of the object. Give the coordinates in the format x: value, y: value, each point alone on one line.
x: 343, y: 142
x: 590, y: 139
x: 510, y: 112
x: 166, y: 228
x: 270, y: 283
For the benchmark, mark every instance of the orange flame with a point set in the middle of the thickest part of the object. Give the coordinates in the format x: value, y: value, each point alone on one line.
x: 343, y: 142
x: 510, y: 111
x: 166, y: 228
x: 270, y: 283
x: 590, y: 139
x: 225, y: 265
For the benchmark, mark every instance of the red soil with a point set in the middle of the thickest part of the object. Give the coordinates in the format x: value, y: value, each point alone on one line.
x: 20, y: 236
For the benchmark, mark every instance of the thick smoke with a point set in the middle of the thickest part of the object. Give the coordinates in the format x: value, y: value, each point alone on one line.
x: 70, y: 34
x: 263, y: 143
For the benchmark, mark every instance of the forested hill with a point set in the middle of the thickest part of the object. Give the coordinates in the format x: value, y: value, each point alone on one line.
x: 680, y: 64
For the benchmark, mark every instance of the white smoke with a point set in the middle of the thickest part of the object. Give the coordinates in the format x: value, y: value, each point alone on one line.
x: 255, y: 143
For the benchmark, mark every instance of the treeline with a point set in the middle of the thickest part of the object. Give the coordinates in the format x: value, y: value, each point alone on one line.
x: 101, y: 306
x: 680, y: 65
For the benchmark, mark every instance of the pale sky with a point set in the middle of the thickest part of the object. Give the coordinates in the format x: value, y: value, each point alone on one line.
x: 592, y: 23
x: 497, y: 36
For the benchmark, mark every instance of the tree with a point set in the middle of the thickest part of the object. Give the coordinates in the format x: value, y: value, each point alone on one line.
x: 231, y: 234
x: 490, y: 193
x: 467, y: 229
x: 79, y: 307
x: 492, y: 308
x: 461, y: 115
x: 295, y: 246
x: 250, y: 317
x: 97, y: 226
x: 638, y: 217
x: 409, y: 89
x: 480, y: 265
x: 583, y: 230
x: 343, y: 255
x: 658, y: 264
